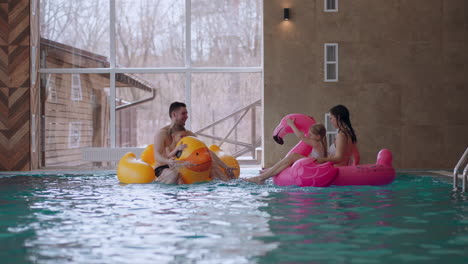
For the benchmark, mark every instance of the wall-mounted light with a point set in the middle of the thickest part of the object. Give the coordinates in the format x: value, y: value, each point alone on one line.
x: 286, y: 15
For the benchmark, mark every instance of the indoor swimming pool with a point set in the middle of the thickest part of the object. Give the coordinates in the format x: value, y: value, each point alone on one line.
x: 89, y: 217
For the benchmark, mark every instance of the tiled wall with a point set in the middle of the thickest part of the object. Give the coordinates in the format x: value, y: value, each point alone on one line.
x: 14, y: 86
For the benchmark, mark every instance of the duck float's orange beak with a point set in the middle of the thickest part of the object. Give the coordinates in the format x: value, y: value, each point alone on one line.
x: 200, y: 160
x: 198, y: 156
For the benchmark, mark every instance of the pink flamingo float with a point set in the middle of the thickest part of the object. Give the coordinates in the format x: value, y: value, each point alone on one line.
x: 306, y: 172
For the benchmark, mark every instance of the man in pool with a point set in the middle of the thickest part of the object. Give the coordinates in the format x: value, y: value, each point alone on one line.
x: 166, y: 168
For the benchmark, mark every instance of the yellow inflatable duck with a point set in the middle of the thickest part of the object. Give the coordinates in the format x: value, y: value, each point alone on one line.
x: 227, y: 159
x: 148, y: 155
x: 198, y: 156
x: 132, y: 170
x: 231, y: 162
x: 216, y: 149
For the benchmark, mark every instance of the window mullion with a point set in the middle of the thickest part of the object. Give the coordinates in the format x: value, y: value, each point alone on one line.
x: 188, y: 58
x: 112, y: 74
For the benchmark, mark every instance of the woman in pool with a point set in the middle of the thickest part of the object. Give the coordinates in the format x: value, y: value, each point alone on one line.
x: 344, y: 151
x: 316, y: 138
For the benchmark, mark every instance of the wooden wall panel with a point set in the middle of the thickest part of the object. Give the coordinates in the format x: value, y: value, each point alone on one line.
x: 3, y: 110
x: 18, y: 66
x: 18, y: 22
x: 14, y: 139
x: 14, y: 86
x: 4, y: 24
x: 4, y: 78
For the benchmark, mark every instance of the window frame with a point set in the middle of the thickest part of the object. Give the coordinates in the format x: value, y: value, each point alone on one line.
x: 331, y: 133
x: 76, y: 93
x: 51, y: 89
x: 72, y: 127
x: 325, y: 6
x: 326, y: 62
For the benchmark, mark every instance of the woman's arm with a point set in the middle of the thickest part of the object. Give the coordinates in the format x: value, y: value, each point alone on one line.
x: 340, y: 150
x: 299, y: 133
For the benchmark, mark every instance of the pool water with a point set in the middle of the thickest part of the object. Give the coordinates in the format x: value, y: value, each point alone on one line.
x: 91, y: 218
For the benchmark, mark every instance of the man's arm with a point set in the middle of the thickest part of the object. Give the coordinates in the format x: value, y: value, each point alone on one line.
x: 159, y: 148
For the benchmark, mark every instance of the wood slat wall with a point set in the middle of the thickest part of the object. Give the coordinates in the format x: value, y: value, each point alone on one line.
x: 15, y: 89
x: 61, y: 111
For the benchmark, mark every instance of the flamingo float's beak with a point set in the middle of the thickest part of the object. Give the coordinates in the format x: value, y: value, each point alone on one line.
x: 278, y: 139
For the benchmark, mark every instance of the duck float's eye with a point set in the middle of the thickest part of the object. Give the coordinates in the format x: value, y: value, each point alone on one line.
x: 198, y: 153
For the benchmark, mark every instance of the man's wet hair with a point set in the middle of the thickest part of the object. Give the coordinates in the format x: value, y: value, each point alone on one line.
x: 175, y: 106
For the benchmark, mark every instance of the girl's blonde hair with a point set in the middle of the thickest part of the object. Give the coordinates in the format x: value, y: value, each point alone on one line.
x: 319, y: 129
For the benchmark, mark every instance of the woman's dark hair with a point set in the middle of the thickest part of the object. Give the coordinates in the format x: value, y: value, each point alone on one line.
x: 341, y: 113
x: 175, y: 106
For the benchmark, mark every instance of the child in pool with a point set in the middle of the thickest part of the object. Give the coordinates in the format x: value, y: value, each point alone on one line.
x: 315, y: 138
x: 177, y: 135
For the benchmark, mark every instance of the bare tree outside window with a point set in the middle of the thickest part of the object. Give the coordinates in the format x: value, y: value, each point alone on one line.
x: 82, y: 24
x: 150, y: 33
x: 226, y: 33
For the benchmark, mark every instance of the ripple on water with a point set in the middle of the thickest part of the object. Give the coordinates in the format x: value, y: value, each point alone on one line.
x: 94, y: 219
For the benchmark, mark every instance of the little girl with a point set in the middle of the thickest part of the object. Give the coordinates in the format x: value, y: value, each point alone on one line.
x: 177, y: 135
x: 315, y: 138
x: 170, y: 153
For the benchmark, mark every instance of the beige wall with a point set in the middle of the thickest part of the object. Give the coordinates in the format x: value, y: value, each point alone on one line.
x: 403, y: 73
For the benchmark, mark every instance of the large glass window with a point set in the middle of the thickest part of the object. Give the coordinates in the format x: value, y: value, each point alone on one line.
x: 81, y: 27
x: 110, y: 69
x: 150, y: 33
x: 220, y: 96
x: 136, y: 123
x: 226, y: 33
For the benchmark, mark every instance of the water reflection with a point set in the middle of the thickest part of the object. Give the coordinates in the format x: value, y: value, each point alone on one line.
x: 15, y: 217
x: 318, y: 224
x: 93, y: 219
x: 366, y: 224
x: 96, y: 220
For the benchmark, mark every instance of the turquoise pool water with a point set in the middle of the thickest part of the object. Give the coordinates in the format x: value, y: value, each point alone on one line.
x: 59, y: 218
